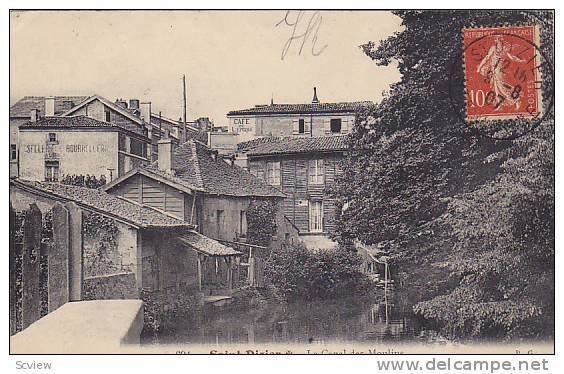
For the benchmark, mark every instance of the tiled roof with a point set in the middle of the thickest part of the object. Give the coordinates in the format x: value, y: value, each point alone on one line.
x: 107, y: 103
x: 349, y: 107
x: 75, y: 122
x: 23, y: 107
x: 97, y: 200
x: 207, y: 245
x: 288, y: 145
x: 195, y: 168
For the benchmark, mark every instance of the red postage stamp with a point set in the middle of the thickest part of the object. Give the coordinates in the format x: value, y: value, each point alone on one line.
x: 502, y: 75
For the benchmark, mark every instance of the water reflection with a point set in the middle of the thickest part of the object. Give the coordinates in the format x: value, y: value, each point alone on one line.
x: 344, y: 320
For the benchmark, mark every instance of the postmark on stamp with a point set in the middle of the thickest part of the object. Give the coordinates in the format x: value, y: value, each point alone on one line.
x: 502, y: 75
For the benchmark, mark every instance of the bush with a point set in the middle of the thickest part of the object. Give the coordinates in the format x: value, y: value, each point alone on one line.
x: 298, y: 273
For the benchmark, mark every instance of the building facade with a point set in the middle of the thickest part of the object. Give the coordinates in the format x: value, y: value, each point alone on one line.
x: 195, y: 185
x: 305, y: 120
x: 40, y: 106
x: 304, y: 169
x: 54, y: 147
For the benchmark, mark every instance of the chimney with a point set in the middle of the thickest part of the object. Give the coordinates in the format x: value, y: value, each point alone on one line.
x: 34, y: 115
x: 133, y: 104
x: 145, y: 109
x: 165, y: 149
x: 315, y: 99
x: 122, y: 103
x: 49, y: 106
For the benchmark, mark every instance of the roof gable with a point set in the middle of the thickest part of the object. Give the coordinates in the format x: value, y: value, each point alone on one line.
x: 124, y: 112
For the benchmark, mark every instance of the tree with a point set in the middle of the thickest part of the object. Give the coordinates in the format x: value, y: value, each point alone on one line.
x: 423, y: 184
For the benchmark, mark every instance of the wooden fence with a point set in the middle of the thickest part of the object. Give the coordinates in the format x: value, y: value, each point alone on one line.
x: 64, y: 262
x: 251, y: 263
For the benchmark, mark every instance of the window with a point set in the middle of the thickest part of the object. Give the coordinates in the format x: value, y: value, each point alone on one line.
x: 52, y: 137
x: 108, y: 116
x: 243, y: 223
x: 52, y: 171
x: 273, y: 172
x: 301, y: 126
x: 335, y: 125
x: 315, y: 216
x: 13, y: 152
x: 219, y: 222
x: 315, y: 171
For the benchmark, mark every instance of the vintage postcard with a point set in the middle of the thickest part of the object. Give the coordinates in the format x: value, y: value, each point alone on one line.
x: 282, y: 182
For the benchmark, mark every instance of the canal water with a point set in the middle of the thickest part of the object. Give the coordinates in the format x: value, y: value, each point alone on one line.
x: 322, y: 321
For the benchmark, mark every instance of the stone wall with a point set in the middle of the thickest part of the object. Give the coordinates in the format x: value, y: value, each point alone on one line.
x: 109, y: 287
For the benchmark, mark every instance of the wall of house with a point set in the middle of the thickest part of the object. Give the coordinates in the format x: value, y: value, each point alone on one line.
x: 14, y: 139
x: 295, y: 184
x: 155, y: 194
x: 249, y: 127
x: 226, y: 226
x: 166, y: 264
x: 81, y: 151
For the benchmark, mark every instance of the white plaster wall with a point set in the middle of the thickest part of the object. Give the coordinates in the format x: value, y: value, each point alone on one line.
x: 97, y: 151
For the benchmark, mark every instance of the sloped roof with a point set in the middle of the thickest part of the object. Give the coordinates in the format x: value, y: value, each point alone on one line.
x: 23, y: 107
x: 343, y: 107
x: 76, y: 122
x: 193, y: 164
x: 289, y: 145
x: 98, y: 200
x: 109, y: 104
x: 206, y: 245
x: 196, y: 170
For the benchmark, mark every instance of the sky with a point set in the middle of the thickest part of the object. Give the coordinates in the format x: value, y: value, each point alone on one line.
x: 232, y: 59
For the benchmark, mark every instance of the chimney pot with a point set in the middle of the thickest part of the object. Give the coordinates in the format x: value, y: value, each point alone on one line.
x: 315, y: 99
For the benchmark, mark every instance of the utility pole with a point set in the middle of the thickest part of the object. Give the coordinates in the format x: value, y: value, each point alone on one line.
x: 184, y: 108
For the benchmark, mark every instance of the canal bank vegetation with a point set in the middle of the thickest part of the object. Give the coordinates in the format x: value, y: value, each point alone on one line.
x: 468, y: 220
x: 294, y: 272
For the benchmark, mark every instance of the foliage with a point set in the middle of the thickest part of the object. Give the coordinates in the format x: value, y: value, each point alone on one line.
x: 100, y: 245
x: 418, y: 181
x: 89, y: 181
x: 298, y: 273
x: 261, y: 222
x: 162, y: 310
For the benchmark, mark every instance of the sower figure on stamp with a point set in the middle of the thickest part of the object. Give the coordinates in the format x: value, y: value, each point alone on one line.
x: 492, y: 67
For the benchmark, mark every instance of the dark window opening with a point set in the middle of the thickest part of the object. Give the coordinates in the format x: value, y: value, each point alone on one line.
x: 52, y: 137
x: 108, y: 116
x: 52, y: 171
x: 301, y: 126
x: 13, y: 152
x: 335, y: 125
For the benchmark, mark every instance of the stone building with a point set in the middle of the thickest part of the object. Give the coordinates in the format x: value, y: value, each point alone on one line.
x: 303, y: 168
x: 191, y: 183
x: 148, y: 250
x: 35, y: 106
x: 305, y: 120
x: 53, y: 147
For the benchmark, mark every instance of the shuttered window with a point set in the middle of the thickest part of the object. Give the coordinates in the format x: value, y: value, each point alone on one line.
x: 315, y: 171
x: 315, y: 216
x: 273, y: 172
